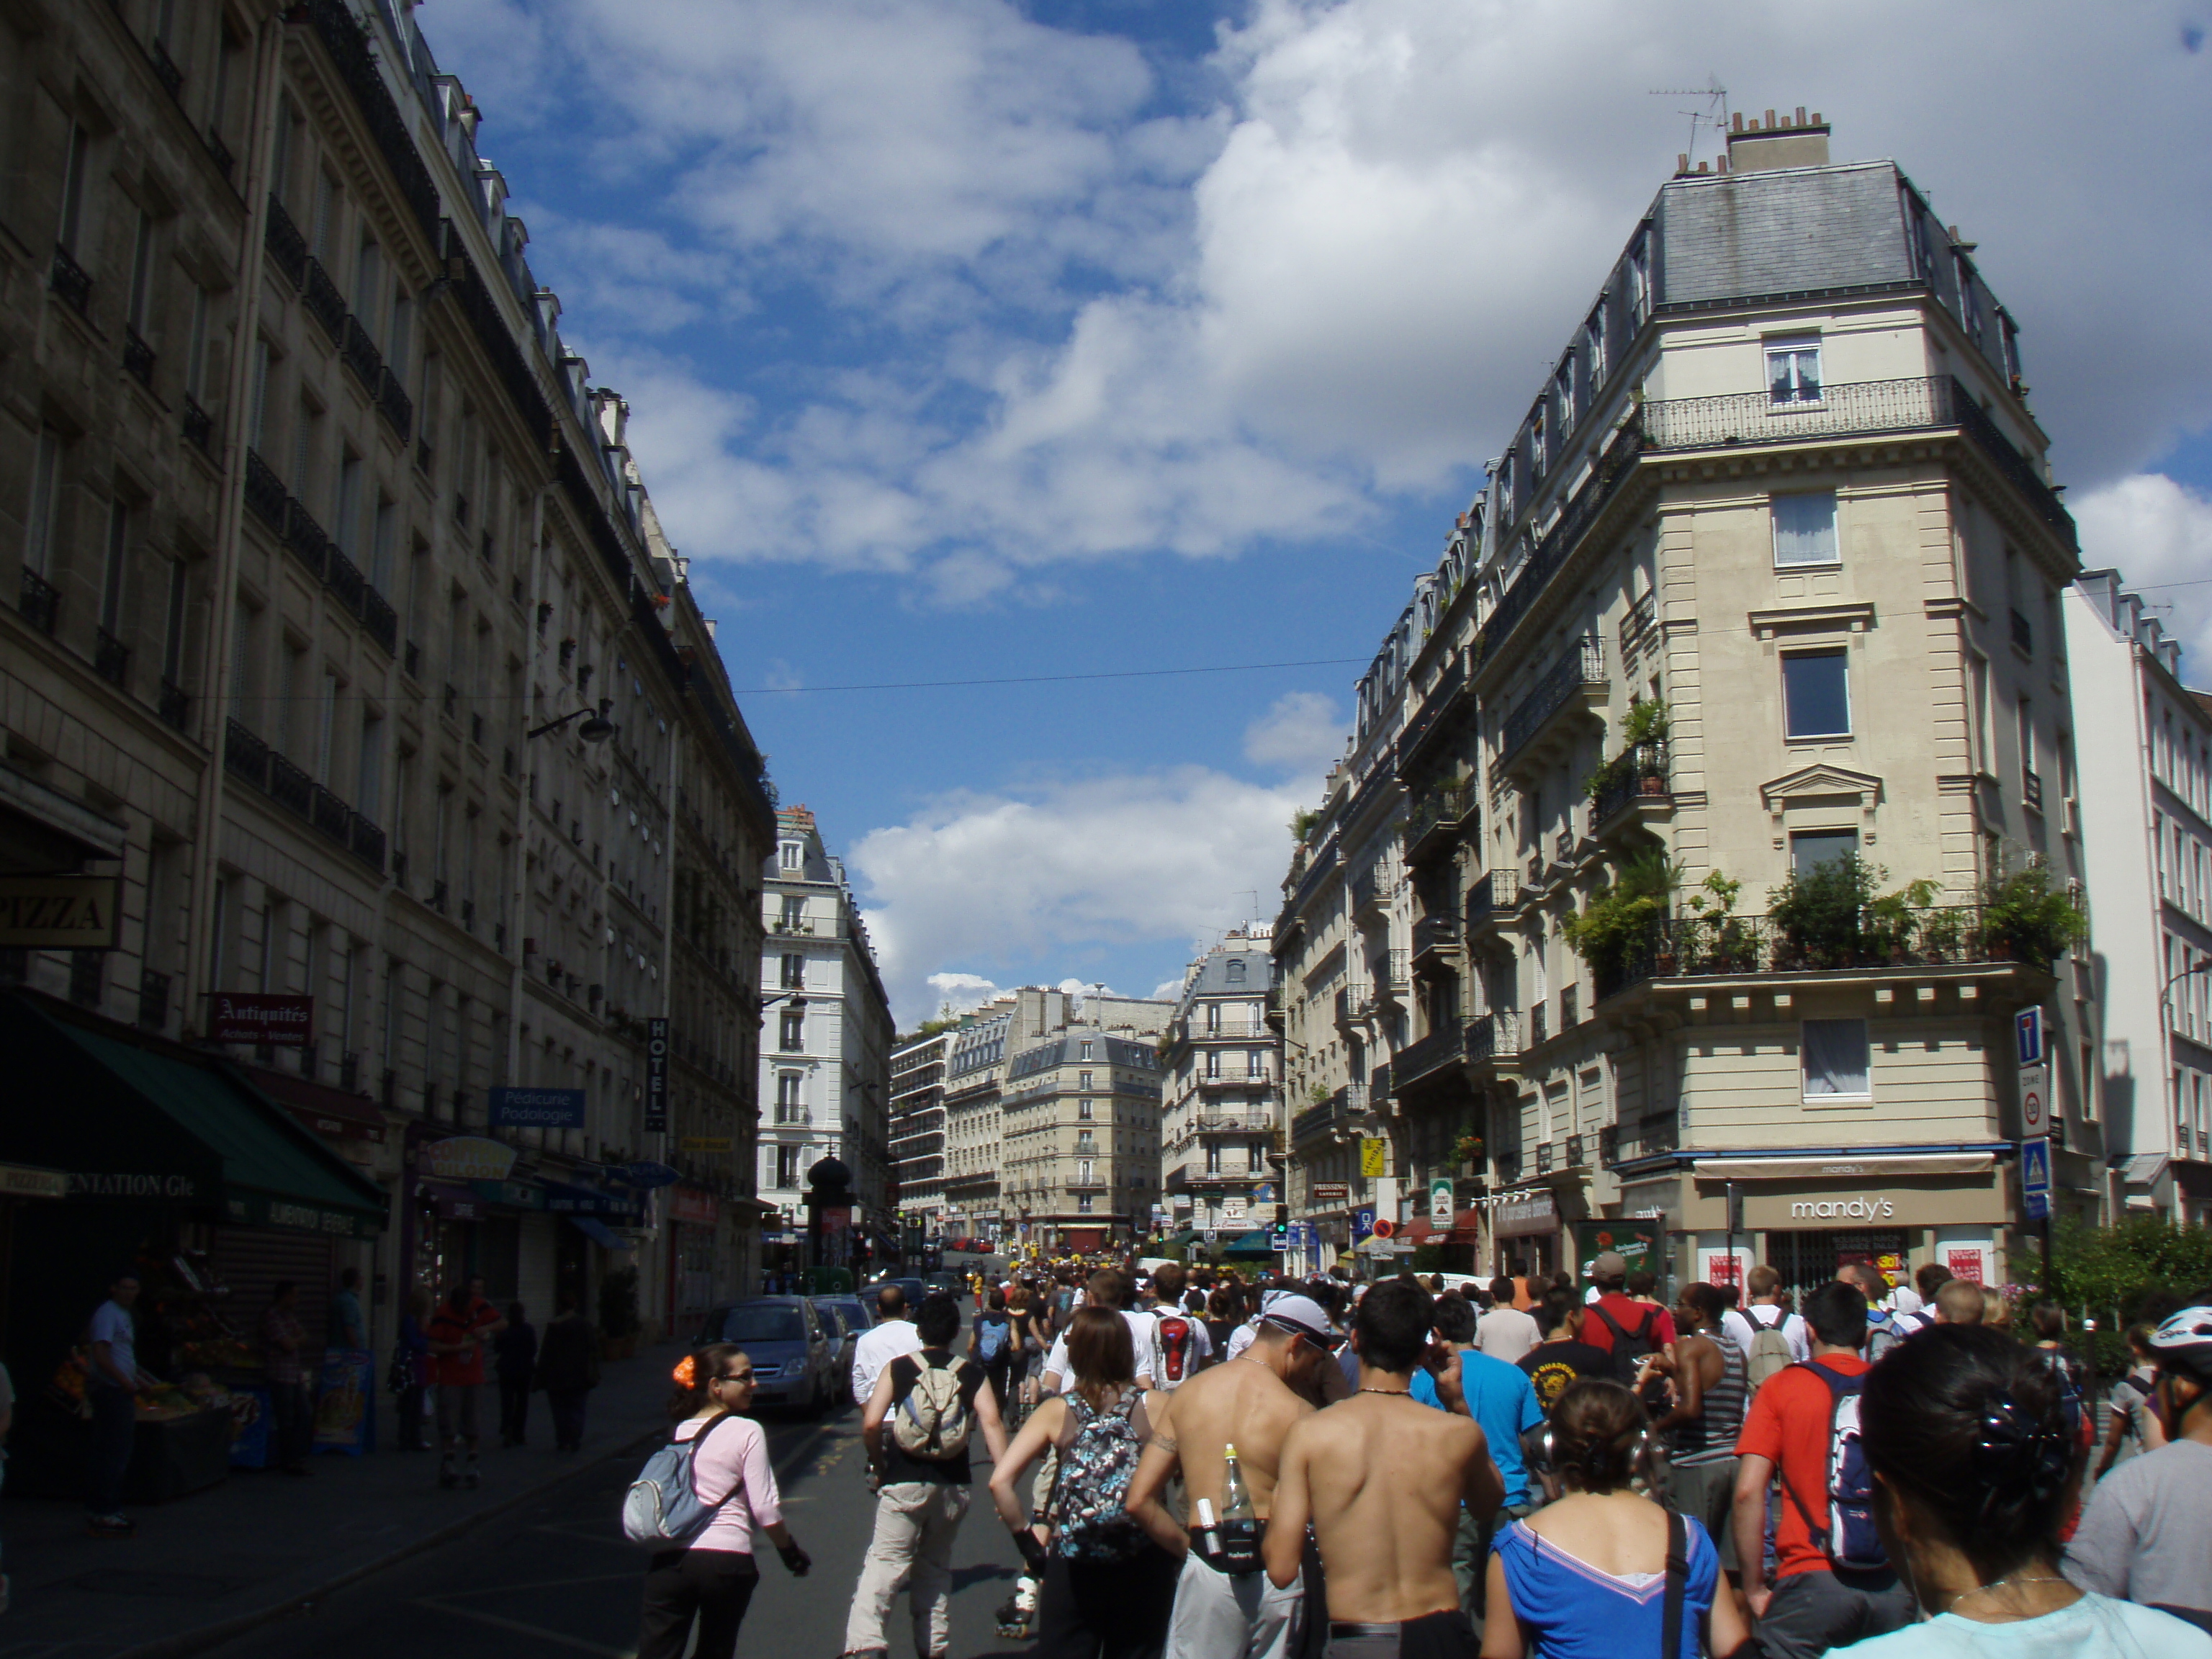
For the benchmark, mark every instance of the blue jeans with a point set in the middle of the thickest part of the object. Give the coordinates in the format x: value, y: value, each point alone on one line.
x: 114, y: 1428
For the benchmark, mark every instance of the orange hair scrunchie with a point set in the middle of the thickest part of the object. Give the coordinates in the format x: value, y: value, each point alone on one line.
x: 685, y: 1371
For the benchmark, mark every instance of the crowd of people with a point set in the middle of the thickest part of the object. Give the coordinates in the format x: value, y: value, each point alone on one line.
x: 1199, y: 1468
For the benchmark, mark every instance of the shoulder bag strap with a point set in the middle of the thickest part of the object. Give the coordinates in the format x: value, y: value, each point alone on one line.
x: 1611, y: 1323
x: 1678, y: 1576
x: 1831, y: 1382
x: 699, y: 1444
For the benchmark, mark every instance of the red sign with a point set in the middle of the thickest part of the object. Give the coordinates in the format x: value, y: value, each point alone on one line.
x: 686, y: 1205
x: 279, y: 1022
x: 1384, y: 1226
x: 1966, y: 1264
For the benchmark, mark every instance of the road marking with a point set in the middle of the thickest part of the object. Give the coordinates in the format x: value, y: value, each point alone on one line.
x: 438, y: 1606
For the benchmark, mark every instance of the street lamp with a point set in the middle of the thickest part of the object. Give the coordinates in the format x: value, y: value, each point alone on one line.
x: 596, y: 728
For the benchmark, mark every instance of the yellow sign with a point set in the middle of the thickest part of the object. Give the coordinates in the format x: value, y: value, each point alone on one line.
x: 77, y: 913
x: 1374, y: 1155
x: 704, y: 1144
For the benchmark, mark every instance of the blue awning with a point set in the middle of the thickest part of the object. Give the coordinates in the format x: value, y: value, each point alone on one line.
x: 598, y: 1232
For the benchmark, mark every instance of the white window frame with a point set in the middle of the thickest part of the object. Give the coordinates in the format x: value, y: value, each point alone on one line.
x: 1805, y: 1044
x: 1790, y: 354
x: 1775, y: 513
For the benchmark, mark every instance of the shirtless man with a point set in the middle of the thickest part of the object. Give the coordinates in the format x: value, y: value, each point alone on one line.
x: 1224, y: 1608
x: 1381, y: 1478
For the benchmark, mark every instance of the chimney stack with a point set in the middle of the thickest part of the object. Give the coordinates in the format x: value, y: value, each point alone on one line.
x: 1777, y: 142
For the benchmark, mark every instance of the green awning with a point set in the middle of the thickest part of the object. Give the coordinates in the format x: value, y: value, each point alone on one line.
x: 154, y: 1123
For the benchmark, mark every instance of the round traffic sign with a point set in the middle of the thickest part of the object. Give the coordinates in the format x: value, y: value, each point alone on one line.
x: 2031, y: 1110
x: 1384, y: 1226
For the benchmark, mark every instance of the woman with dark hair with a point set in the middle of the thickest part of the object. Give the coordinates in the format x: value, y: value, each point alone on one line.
x: 1108, y: 1588
x: 1593, y: 1576
x: 711, y: 1579
x: 1224, y: 1311
x: 1975, y: 1468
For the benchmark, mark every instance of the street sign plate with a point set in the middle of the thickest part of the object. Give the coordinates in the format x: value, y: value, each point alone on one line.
x: 2027, y: 1036
x: 1374, y: 1156
x: 1440, y: 1202
x: 2035, y: 1179
x: 2034, y: 1101
x: 1362, y: 1223
x: 1213, y: 1236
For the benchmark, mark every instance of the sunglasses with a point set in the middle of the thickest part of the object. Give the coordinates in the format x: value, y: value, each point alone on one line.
x: 735, y: 1377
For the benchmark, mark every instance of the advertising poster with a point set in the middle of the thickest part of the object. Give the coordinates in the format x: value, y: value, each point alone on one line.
x: 1636, y: 1239
x: 342, y: 1396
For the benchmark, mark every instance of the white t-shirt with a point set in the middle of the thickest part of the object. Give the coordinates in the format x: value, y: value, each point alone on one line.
x: 2095, y: 1627
x: 1903, y: 1299
x: 1241, y: 1339
x: 1738, y: 1329
x: 1144, y: 1336
x: 878, y: 1345
x: 1793, y: 1330
x: 1506, y: 1334
x: 112, y: 1323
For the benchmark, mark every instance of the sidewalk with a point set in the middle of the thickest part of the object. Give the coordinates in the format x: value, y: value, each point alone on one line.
x: 205, y: 1567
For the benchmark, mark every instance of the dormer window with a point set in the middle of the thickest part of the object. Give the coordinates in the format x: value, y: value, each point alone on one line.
x: 1563, y: 391
x: 1540, y: 450
x: 1793, y: 372
x: 791, y: 856
x: 1234, y: 970
x: 1593, y: 343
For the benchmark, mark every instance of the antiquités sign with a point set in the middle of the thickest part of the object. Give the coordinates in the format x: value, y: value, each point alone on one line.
x: 280, y: 1022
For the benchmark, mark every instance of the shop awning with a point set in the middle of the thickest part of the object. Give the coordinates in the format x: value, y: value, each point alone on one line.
x: 160, y: 1124
x: 333, y: 1113
x: 1832, y: 1164
x: 598, y: 1232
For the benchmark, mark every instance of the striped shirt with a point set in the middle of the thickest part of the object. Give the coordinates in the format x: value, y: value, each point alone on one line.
x: 1712, y: 1438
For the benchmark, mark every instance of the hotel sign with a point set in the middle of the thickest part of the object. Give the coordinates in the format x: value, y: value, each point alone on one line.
x: 50, y: 913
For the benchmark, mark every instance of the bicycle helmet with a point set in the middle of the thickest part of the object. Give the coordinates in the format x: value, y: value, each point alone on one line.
x: 2184, y: 1340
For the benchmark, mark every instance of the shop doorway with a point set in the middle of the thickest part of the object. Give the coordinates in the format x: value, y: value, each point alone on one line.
x: 1809, y: 1259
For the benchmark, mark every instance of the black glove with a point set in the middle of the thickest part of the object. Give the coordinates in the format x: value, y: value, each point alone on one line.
x: 796, y: 1558
x: 1033, y: 1555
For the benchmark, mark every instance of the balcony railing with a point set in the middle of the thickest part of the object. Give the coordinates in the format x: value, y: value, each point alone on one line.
x: 1439, y: 931
x: 1482, y: 899
x: 1623, y: 1143
x: 1612, y: 468
x: 1583, y: 664
x: 1639, y: 774
x: 1493, y: 1035
x: 246, y: 756
x: 1434, y: 818
x: 1445, y: 698
x: 176, y: 704
x: 1753, y: 417
x: 38, y: 601
x: 111, y: 658
x: 362, y: 357
x: 1701, y: 946
x: 347, y: 585
x: 137, y: 358
x: 219, y: 153
x: 395, y: 405
x: 290, y: 787
x: 264, y: 492
x: 285, y: 243
x: 1431, y: 1055
x: 323, y: 301
x: 70, y: 282
x: 1642, y: 617
x: 198, y: 428
x: 380, y: 620
x: 306, y: 539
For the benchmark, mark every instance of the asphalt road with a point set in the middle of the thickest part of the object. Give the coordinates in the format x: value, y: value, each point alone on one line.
x: 555, y: 1576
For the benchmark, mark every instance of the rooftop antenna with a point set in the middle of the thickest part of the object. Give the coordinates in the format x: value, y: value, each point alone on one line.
x: 1714, y: 114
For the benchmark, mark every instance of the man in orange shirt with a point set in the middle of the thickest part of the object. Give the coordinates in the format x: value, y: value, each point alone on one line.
x: 460, y: 1333
x: 1817, y: 1601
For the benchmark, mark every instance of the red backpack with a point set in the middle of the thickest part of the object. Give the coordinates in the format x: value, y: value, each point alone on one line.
x: 1178, y: 1344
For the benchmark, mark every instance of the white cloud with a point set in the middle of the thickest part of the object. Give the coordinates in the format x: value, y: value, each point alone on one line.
x: 999, y: 882
x: 1093, y: 331
x: 1301, y: 732
x: 959, y: 992
x: 1168, y: 990
x: 2158, y: 535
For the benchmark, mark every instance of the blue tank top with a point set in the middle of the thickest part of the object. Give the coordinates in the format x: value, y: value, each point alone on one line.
x: 1578, y: 1611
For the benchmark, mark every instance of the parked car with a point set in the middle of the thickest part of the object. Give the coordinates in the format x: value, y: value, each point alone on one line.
x: 913, y: 1289
x: 948, y: 1280
x: 852, y: 1316
x: 792, y: 1348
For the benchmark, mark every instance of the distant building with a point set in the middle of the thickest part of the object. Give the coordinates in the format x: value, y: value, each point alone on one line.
x: 825, y: 1061
x: 2146, y: 809
x: 917, y: 1128
x: 1080, y: 1150
x: 1222, y: 1116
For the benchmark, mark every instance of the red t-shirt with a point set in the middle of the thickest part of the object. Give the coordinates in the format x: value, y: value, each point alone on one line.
x: 460, y: 1369
x: 1629, y: 1315
x: 1790, y: 1424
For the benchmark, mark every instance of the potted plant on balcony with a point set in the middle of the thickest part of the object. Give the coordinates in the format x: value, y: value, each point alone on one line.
x: 1624, y: 918
x: 2026, y: 919
x: 1817, y: 914
x: 1891, y: 921
x: 1467, y: 1151
x: 1711, y: 936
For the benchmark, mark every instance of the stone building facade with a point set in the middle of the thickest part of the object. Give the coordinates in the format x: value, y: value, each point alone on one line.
x: 1221, y: 1124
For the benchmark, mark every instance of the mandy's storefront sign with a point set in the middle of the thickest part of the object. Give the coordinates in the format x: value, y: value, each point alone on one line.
x: 45, y: 913
x: 1870, y: 1206
x: 467, y: 1157
x: 278, y: 1022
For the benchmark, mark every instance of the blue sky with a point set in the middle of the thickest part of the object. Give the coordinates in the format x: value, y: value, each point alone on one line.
x: 966, y: 338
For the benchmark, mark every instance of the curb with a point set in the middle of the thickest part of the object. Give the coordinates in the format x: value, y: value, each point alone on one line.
x: 207, y: 1636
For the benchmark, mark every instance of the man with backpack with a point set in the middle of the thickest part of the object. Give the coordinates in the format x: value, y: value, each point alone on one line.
x: 1184, y: 1345
x: 1764, y: 1313
x: 1617, y: 1323
x: 918, y: 1426
x: 991, y: 1344
x: 1833, y: 1583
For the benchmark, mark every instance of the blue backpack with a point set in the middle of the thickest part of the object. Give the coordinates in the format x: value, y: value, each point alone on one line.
x: 1849, y: 1540
x: 991, y: 1336
x: 662, y: 1509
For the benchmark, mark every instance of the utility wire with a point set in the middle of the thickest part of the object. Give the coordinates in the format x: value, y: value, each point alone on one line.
x: 1049, y: 679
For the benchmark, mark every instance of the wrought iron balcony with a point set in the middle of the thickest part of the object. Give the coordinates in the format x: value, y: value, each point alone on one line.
x: 395, y: 405
x: 176, y: 705
x: 332, y: 817
x: 38, y: 601
x: 1493, y: 1035
x: 264, y: 492
x: 244, y: 754
x: 219, y: 153
x: 379, y: 620
x: 1637, y: 774
x: 1434, y: 822
x: 1703, y: 946
x: 307, y: 540
x: 290, y: 787
x: 366, y: 842
x: 198, y: 428
x: 137, y: 358
x: 1753, y: 417
x: 70, y: 282
x: 1636, y: 625
x: 323, y: 301
x: 1482, y: 900
x: 362, y: 357
x: 164, y: 67
x: 347, y: 585
x: 111, y: 658
x: 285, y: 243
x: 1434, y: 934
x: 1432, y: 1054
x: 1581, y: 667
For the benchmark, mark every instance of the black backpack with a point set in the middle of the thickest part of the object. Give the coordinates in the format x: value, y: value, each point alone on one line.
x: 1629, y: 1347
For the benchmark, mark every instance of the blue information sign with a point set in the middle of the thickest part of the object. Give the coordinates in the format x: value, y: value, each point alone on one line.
x: 537, y: 1109
x: 1363, y: 1223
x: 2035, y: 1179
x: 2027, y: 1036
